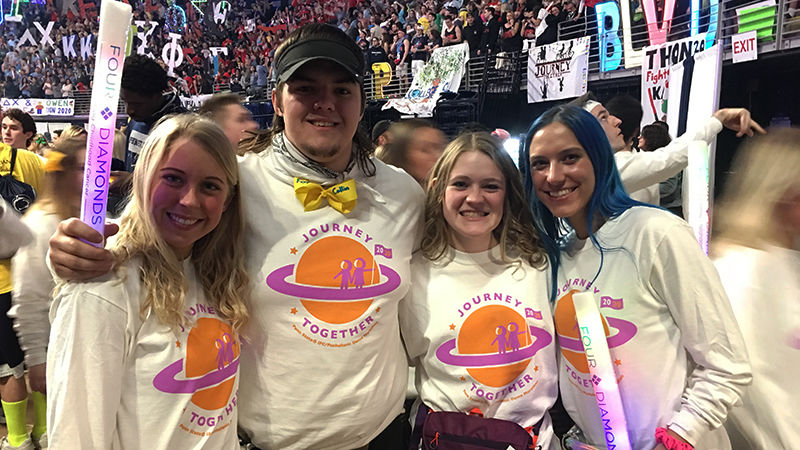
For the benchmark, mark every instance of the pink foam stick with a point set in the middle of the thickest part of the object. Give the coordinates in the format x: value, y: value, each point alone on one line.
x: 604, y: 379
x: 115, y: 19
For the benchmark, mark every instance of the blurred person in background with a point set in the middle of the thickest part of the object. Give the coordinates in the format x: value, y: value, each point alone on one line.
x: 415, y: 147
x: 757, y: 254
x: 59, y: 199
x: 227, y: 111
x: 27, y: 168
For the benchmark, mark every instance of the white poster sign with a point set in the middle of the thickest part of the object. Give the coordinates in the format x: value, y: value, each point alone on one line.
x: 194, y: 102
x: 745, y: 47
x: 694, y: 96
x: 442, y: 73
x: 558, y: 70
x: 41, y: 106
x: 655, y: 73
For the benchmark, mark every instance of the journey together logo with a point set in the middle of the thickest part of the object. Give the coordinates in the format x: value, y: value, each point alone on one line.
x: 336, y: 279
x: 495, y: 345
x: 208, y: 372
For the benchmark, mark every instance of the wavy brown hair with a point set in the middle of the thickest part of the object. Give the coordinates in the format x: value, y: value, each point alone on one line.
x: 218, y: 257
x: 515, y: 233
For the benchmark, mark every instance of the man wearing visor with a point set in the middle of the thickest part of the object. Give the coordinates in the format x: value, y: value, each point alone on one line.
x: 331, y: 230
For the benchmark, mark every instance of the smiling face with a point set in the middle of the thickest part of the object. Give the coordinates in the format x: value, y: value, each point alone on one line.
x: 189, y: 193
x: 473, y: 202
x: 321, y: 107
x: 610, y: 125
x: 562, y: 174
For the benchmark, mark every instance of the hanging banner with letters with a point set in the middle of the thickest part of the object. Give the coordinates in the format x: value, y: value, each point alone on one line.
x: 559, y: 70
x: 655, y: 73
x: 41, y: 106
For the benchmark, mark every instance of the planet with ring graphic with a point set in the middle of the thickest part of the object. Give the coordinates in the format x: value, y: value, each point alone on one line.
x: 209, y: 367
x: 495, y: 344
x: 569, y: 337
x: 336, y: 279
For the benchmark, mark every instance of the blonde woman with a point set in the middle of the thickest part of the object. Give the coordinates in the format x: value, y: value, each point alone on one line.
x: 59, y: 199
x: 758, y: 259
x: 150, y: 352
x: 477, y: 322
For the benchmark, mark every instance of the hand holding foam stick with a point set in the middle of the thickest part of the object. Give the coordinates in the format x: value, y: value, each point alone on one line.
x: 115, y: 20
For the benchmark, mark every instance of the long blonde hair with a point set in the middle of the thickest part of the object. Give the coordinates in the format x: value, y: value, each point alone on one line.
x: 764, y: 170
x: 218, y: 257
x: 515, y: 233
x: 56, y: 196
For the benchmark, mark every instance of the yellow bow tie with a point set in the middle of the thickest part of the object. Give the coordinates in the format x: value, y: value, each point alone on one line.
x: 341, y: 197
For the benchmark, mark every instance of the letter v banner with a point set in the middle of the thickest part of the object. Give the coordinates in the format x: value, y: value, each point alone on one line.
x: 604, y: 379
x: 112, y: 39
x: 559, y: 70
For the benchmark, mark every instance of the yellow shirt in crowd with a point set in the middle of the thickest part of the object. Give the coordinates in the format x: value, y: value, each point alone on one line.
x: 28, y: 169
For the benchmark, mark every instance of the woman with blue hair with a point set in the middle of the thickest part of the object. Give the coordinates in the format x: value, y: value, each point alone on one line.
x: 679, y: 358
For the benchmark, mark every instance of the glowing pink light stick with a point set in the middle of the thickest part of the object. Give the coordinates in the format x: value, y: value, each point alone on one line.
x: 112, y: 38
x: 699, y: 188
x: 604, y: 380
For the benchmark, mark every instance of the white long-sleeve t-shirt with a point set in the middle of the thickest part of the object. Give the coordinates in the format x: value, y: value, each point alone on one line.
x: 33, y: 288
x: 678, y: 354
x: 117, y: 381
x: 15, y: 233
x: 480, y: 334
x: 324, y: 367
x: 764, y: 289
x: 650, y: 194
x: 640, y: 170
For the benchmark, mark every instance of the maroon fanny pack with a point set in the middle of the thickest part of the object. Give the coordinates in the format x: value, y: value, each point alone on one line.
x: 459, y: 431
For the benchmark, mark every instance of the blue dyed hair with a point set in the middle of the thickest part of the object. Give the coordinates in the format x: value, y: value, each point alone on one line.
x: 609, y: 198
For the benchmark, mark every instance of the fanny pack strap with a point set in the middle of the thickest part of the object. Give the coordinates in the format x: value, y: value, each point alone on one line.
x: 419, y: 421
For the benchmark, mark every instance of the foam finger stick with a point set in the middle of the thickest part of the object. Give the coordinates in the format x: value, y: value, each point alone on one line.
x: 606, y: 389
x: 115, y: 20
x: 699, y: 192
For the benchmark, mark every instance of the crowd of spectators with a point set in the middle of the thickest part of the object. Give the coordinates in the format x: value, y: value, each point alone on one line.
x: 400, y: 33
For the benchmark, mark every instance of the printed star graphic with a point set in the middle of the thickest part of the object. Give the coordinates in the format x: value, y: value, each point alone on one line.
x: 293, y: 251
x: 378, y: 309
x: 535, y: 368
x: 294, y: 310
x: 618, y: 362
x: 177, y: 343
x: 463, y: 379
x: 452, y: 326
